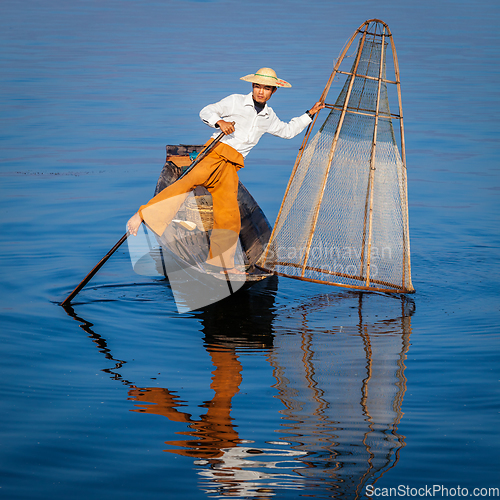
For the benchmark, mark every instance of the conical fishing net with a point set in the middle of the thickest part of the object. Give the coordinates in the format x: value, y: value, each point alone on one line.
x: 344, y: 217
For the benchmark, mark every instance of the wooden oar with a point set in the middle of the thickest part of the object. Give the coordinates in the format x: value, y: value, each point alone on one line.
x: 202, y: 155
x: 92, y: 273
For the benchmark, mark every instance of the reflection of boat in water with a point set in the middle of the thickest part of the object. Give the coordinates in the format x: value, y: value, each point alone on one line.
x: 327, y: 420
x: 228, y: 463
x: 341, y: 391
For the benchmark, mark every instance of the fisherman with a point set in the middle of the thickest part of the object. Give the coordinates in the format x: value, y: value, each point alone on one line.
x: 243, y: 119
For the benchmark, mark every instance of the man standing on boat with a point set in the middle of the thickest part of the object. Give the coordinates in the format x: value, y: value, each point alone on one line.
x: 243, y: 119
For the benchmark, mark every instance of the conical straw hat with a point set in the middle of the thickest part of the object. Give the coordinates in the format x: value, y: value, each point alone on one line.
x: 265, y: 76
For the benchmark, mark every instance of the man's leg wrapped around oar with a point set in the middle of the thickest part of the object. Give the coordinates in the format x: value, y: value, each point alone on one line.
x: 218, y: 173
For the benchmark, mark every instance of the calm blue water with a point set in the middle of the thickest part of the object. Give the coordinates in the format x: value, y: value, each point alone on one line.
x: 287, y: 390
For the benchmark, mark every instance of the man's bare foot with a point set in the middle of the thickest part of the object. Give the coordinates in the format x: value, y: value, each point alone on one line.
x: 134, y: 223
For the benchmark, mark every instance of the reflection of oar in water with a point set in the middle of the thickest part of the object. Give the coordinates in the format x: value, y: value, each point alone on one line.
x: 92, y: 273
x: 102, y: 345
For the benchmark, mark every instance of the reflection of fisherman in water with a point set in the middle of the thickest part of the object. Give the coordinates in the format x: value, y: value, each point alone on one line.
x: 214, y: 431
x: 235, y: 467
x: 341, y: 399
x: 342, y: 390
x: 232, y: 465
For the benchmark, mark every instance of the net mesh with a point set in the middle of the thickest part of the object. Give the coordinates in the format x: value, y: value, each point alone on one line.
x: 343, y: 219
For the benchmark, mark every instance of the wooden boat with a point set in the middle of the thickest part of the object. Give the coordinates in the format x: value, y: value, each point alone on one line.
x: 183, y: 248
x: 187, y: 249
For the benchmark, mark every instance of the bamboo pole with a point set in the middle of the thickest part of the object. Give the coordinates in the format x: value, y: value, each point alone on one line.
x: 404, y: 200
x: 339, y: 61
x: 365, y: 217
x: 372, y: 161
x: 366, y: 76
x: 332, y: 150
x: 307, y: 136
x: 366, y: 112
x: 367, y: 199
x: 333, y: 273
x: 354, y: 287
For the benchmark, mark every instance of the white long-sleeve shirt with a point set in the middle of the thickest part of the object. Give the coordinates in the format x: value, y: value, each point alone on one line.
x: 250, y: 126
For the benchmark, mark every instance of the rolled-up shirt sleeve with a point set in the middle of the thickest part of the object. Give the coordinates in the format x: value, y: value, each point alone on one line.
x: 212, y: 113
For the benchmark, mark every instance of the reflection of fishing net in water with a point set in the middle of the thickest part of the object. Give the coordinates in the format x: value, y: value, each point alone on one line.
x: 342, y: 388
x: 344, y: 216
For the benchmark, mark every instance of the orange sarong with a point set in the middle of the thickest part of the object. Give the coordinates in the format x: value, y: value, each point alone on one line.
x: 218, y: 173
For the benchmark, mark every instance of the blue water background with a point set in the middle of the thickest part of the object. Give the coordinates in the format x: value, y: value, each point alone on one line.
x: 90, y: 94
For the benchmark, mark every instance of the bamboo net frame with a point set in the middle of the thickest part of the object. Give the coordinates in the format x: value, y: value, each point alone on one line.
x: 343, y: 220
